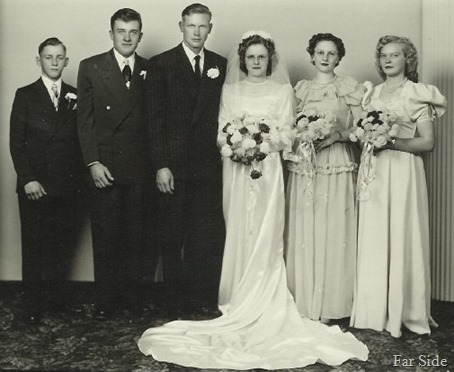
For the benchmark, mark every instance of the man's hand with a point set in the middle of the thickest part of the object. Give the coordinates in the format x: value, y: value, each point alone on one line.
x: 101, y: 176
x: 165, y: 181
x: 34, y: 190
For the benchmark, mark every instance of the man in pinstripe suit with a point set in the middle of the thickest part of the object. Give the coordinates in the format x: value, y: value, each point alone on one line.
x: 184, y: 88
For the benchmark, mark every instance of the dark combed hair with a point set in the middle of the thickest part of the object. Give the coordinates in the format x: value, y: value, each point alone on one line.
x: 252, y: 40
x: 410, y: 53
x: 51, y: 41
x: 125, y: 15
x: 315, y: 39
x: 196, y: 8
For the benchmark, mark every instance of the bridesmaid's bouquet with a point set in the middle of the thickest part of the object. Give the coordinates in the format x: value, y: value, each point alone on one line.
x: 249, y: 140
x: 374, y: 129
x: 310, y: 126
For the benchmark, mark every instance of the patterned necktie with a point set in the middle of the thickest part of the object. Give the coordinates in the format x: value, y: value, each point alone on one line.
x: 127, y: 73
x: 55, y: 96
x: 197, y: 72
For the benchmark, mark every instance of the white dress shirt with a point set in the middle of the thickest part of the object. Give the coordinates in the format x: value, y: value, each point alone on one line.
x: 191, y: 55
x: 48, y: 84
x: 122, y: 60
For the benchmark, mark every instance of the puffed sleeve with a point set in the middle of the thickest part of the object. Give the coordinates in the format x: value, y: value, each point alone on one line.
x: 425, y: 102
x: 350, y: 89
x: 301, y: 90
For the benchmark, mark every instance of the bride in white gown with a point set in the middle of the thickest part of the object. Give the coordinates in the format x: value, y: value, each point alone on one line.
x: 260, y: 326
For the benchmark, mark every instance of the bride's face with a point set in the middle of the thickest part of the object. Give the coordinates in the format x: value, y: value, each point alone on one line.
x: 256, y: 60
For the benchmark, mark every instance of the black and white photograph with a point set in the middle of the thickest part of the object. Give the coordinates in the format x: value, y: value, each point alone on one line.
x: 245, y: 185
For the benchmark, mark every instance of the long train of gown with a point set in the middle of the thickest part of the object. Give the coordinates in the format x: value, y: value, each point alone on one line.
x: 260, y: 326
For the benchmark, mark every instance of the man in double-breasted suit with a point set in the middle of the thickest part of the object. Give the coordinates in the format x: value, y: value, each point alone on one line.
x: 112, y: 131
x: 46, y: 155
x: 184, y: 86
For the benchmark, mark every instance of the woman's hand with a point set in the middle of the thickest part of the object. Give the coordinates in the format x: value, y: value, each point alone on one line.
x: 328, y: 141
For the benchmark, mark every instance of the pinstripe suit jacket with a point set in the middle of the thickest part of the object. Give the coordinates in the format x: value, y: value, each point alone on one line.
x: 183, y: 114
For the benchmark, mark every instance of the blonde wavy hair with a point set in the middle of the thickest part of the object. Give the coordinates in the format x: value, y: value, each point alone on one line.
x: 410, y: 53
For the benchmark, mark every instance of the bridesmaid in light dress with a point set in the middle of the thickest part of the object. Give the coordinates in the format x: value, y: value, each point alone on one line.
x: 320, y: 231
x: 393, y: 282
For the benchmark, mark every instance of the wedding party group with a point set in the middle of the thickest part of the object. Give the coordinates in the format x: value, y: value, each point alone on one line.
x: 285, y: 208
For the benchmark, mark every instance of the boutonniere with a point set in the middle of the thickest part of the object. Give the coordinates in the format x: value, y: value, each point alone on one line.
x: 143, y: 73
x: 72, y: 100
x: 213, y: 72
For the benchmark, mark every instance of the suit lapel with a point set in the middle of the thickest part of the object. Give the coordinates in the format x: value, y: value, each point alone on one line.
x: 49, y: 113
x: 134, y: 94
x: 111, y: 75
x: 185, y: 72
x: 205, y: 84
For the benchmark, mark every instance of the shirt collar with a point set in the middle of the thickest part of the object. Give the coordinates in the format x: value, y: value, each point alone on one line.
x: 48, y: 83
x: 120, y: 60
x: 191, y: 54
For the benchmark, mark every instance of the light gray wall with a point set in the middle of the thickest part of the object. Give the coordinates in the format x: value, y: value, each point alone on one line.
x: 83, y: 26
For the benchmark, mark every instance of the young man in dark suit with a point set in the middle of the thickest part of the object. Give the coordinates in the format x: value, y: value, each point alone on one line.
x: 112, y: 127
x: 46, y: 155
x: 184, y: 85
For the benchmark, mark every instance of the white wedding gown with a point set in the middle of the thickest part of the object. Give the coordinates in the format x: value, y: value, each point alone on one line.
x: 260, y: 326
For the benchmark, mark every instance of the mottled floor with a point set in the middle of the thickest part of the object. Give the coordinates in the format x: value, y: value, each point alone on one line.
x: 76, y: 342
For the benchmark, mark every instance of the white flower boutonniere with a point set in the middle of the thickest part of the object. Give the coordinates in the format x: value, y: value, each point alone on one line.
x: 143, y: 73
x: 213, y: 72
x: 71, y: 98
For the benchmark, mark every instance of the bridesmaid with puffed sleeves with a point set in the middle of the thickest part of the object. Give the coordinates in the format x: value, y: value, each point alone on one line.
x: 393, y: 278
x: 321, y: 220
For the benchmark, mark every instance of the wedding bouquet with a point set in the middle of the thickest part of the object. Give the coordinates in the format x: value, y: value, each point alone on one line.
x: 375, y: 129
x: 310, y: 125
x: 249, y: 140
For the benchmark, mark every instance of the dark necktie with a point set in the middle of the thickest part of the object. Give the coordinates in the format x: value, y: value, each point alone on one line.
x: 197, y: 72
x: 127, y: 74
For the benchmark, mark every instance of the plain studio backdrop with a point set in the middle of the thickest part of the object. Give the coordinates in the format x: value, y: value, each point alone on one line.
x: 83, y: 25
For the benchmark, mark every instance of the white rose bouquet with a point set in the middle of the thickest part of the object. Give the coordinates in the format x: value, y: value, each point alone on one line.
x: 310, y: 126
x: 249, y: 140
x: 374, y: 129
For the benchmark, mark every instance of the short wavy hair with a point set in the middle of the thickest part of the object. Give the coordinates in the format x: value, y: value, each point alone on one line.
x: 315, y: 39
x: 125, y: 15
x: 196, y: 8
x: 410, y: 53
x: 50, y: 41
x: 252, y: 40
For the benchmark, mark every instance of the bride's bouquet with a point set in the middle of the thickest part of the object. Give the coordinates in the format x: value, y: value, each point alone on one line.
x: 310, y: 126
x: 249, y: 140
x: 374, y: 129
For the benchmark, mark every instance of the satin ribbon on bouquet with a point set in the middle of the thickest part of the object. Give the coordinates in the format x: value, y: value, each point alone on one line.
x: 367, y: 171
x: 306, y: 152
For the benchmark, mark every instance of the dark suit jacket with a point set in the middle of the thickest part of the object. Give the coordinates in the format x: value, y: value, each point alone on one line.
x: 43, y: 142
x: 111, y: 118
x: 183, y: 116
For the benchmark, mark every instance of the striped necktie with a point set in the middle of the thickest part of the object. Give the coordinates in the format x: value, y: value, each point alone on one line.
x: 55, y: 96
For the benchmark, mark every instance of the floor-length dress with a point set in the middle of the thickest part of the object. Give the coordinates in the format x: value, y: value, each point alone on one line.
x: 260, y: 326
x: 393, y: 282
x: 320, y: 231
